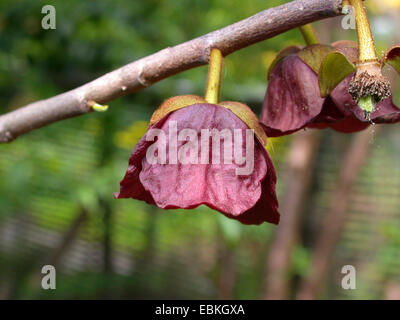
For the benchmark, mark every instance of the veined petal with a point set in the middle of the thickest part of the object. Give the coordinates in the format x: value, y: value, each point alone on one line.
x: 292, y: 99
x: 172, y: 185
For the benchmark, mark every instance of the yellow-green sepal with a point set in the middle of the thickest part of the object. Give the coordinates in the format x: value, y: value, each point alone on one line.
x: 313, y: 55
x: 334, y: 69
x: 173, y: 104
x: 242, y: 111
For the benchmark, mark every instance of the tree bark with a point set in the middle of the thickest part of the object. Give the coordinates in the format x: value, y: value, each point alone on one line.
x: 146, y: 71
x: 353, y: 160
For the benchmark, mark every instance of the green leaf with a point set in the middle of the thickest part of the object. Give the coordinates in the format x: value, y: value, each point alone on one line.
x: 334, y: 69
x: 314, y: 55
x: 392, y: 57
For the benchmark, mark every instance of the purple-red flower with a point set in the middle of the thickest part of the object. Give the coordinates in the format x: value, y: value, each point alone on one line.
x: 174, y: 181
x: 293, y: 99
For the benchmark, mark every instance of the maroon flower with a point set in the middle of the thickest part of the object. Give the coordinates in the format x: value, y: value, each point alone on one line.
x: 174, y: 182
x: 293, y: 99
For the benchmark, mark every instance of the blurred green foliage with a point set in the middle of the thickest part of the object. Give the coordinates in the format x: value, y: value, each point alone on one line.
x: 52, y: 175
x: 49, y: 176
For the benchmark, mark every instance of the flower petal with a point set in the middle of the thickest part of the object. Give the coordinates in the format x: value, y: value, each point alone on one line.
x: 349, y: 125
x: 331, y: 117
x: 130, y: 185
x: 328, y: 114
x: 266, y: 208
x: 292, y: 99
x: 392, y: 57
x: 282, y: 54
x: 245, y: 114
x: 215, y: 185
x: 174, y: 103
x: 385, y: 112
x: 348, y: 48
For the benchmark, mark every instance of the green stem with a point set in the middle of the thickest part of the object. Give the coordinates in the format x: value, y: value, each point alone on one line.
x: 214, y: 76
x: 364, y: 34
x: 309, y: 34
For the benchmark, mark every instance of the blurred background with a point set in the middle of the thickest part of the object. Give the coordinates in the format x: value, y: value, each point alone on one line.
x: 339, y: 194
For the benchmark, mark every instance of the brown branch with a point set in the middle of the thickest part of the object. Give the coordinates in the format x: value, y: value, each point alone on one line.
x: 355, y: 157
x: 146, y: 71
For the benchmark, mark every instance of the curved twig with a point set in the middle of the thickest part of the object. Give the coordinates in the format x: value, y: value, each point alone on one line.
x: 146, y: 71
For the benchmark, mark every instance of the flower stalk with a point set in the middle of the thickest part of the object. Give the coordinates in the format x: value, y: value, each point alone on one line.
x: 364, y: 34
x: 214, y: 76
x: 368, y: 87
x: 309, y: 34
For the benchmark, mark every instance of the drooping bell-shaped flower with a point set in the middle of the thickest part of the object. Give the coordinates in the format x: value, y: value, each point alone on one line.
x: 309, y: 88
x: 198, y: 153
